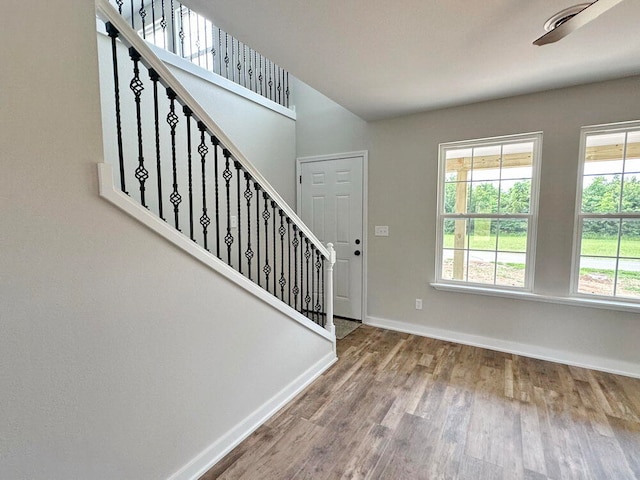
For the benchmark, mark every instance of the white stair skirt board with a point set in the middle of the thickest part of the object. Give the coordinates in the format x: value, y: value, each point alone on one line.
x: 109, y: 192
x: 214, y: 453
x: 592, y: 362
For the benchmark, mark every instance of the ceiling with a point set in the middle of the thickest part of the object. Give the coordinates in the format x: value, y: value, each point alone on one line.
x: 386, y: 58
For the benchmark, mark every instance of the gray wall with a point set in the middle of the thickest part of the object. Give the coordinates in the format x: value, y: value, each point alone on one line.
x: 120, y: 356
x: 402, y: 194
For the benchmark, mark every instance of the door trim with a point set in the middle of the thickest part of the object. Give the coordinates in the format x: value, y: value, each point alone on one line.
x: 365, y: 196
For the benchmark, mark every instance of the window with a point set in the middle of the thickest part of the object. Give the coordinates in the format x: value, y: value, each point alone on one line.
x: 487, y: 206
x: 607, y: 246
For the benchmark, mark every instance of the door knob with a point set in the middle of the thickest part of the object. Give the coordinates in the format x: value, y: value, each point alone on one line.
x: 357, y: 253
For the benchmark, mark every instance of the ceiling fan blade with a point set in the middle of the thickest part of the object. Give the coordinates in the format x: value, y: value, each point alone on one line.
x: 580, y: 19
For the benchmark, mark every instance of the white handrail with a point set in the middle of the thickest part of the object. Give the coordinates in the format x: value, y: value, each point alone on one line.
x: 107, y: 12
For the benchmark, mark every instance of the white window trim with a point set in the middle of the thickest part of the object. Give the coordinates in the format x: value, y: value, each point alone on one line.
x: 532, y: 215
x: 577, y: 230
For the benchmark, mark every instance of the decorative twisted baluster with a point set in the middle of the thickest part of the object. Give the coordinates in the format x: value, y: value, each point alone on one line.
x: 143, y: 15
x: 248, y: 194
x: 172, y: 120
x: 137, y: 87
x: 205, y: 221
x: 181, y: 33
x: 120, y: 3
x: 307, y: 255
x: 311, y: 312
x: 289, y: 260
x: 227, y: 175
x: 296, y: 290
x: 318, y: 306
x: 265, y: 216
x: 282, y: 231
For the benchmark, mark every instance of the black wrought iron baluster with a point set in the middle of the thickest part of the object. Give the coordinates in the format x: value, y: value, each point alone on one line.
x: 113, y: 33
x: 239, y: 205
x: 163, y: 25
x: 279, y: 88
x: 296, y: 289
x: 181, y: 33
x: 153, y: 75
x: 174, y: 38
x: 282, y: 231
x: 187, y: 113
x: 132, y: 16
x: 307, y: 297
x: 260, y: 76
x: 270, y: 83
x: 120, y: 3
x: 324, y: 311
x: 213, y: 48
x: 137, y: 87
x: 273, y: 208
x: 287, y: 92
x: 257, y: 187
x: 227, y: 175
x: 318, y: 306
x: 205, y: 221
x: 312, y: 312
x: 289, y: 260
x: 239, y: 65
x: 153, y: 20
x: 248, y: 194
x: 250, y: 72
x: 143, y: 15
x: 215, y: 142
x: 226, y: 55
x: 233, y: 73
x: 190, y: 35
x: 265, y: 216
x: 172, y: 120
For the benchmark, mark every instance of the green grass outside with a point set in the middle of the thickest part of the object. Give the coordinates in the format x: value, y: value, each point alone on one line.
x: 600, y: 247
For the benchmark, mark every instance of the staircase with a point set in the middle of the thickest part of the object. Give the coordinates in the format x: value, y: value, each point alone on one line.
x: 178, y: 173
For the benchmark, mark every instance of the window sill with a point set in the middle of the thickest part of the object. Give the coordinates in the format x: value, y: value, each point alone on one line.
x: 574, y: 301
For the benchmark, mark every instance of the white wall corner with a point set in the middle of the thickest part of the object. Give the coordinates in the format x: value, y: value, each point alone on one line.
x: 608, y: 365
x: 221, y: 447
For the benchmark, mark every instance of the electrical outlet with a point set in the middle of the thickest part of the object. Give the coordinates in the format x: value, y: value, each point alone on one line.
x: 418, y: 304
x: 234, y: 221
x: 382, y: 230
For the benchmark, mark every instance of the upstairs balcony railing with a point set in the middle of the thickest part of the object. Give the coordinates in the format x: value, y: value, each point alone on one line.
x: 177, y: 164
x: 170, y: 25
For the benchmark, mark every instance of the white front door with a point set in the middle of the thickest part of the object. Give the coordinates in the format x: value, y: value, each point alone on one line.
x: 331, y: 204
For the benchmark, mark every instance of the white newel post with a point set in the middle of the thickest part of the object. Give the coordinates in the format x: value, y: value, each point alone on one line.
x: 329, y: 293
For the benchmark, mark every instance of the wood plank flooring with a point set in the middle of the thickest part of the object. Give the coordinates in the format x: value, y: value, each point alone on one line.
x: 398, y: 406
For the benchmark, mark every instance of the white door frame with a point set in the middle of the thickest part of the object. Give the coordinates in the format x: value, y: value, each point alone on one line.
x: 365, y: 189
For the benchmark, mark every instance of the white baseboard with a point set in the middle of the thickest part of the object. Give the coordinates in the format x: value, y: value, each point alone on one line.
x: 216, y: 451
x: 592, y: 362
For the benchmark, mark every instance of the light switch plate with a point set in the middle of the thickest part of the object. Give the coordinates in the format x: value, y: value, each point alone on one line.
x: 382, y: 230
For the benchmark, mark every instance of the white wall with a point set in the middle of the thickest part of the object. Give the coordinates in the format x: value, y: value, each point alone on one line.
x: 120, y: 356
x: 402, y: 194
x: 323, y: 126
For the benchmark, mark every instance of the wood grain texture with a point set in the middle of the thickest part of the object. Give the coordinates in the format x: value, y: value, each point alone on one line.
x: 402, y: 407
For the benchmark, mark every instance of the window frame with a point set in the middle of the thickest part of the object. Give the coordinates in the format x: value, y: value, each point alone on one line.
x: 532, y: 216
x: 579, y: 216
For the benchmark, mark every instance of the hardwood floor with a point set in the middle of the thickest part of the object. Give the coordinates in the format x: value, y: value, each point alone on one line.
x: 398, y: 406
